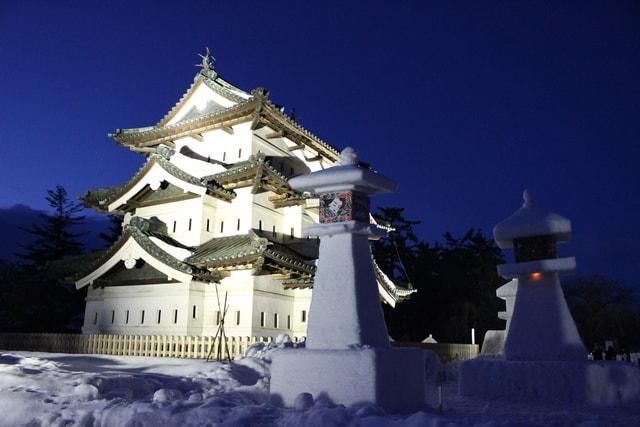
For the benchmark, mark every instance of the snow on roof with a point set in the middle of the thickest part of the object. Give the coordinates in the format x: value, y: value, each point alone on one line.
x: 508, y: 289
x: 530, y: 221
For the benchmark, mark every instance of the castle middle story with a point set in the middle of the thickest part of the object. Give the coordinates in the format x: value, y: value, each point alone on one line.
x: 211, y: 229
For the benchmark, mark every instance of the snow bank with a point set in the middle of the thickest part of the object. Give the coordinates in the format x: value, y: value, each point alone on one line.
x: 598, y: 383
x: 40, y: 389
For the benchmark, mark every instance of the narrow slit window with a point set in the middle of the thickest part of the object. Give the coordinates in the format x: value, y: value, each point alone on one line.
x: 222, y: 226
x: 291, y: 232
x: 217, y: 317
x: 208, y: 225
x: 260, y: 225
x: 175, y: 316
x: 126, y: 317
x: 159, y: 315
x: 289, y: 322
x: 224, y: 156
x: 274, y: 230
x: 239, y: 152
x: 174, y: 226
x: 113, y: 316
x: 238, y: 226
x: 262, y: 318
x: 142, y: 318
x: 193, y: 313
x: 237, y: 317
x: 276, y: 320
x: 189, y: 224
x: 304, y: 316
x: 95, y: 318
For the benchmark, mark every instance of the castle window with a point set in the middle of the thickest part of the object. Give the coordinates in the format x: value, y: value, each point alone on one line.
x: 174, y: 226
x: 193, y: 313
x: 288, y: 322
x: 142, y: 318
x: 274, y: 230
x: 304, y: 316
x: 224, y: 156
x: 291, y: 232
x: 260, y: 225
x: 222, y: 226
x: 207, y: 224
x: 237, y: 317
x: 238, y: 227
x: 159, y: 315
x: 239, y: 152
x: 189, y: 224
x: 262, y: 318
x: 276, y: 320
x: 217, y: 317
x: 175, y: 316
x: 113, y: 316
x: 95, y: 318
x: 126, y: 317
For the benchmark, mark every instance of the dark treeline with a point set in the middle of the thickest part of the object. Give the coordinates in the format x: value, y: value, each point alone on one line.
x: 456, y: 280
x: 32, y: 297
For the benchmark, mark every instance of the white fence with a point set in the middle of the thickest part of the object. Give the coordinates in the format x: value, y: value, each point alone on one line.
x: 193, y: 347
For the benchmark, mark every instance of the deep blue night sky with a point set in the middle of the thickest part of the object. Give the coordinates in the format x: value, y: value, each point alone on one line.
x: 464, y: 104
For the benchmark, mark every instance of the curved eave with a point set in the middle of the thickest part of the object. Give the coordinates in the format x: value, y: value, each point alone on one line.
x: 208, y: 186
x: 257, y: 109
x: 277, y: 118
x: 257, y: 172
x: 161, y: 260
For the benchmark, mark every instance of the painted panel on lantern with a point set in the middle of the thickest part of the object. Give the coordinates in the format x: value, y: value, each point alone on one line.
x: 346, y: 206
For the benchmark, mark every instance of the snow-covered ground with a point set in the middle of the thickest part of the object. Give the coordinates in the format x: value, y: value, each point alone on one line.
x: 46, y: 389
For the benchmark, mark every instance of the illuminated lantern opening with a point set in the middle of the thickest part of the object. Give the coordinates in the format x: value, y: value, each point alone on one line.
x: 536, y: 276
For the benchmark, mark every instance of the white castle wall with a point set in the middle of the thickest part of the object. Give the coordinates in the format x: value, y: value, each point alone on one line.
x: 199, y: 219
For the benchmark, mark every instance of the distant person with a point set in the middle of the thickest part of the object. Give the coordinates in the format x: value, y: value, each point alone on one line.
x: 610, y: 354
x: 626, y: 355
x: 597, y: 353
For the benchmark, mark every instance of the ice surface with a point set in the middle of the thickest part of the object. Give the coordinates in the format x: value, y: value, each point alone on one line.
x: 39, y: 389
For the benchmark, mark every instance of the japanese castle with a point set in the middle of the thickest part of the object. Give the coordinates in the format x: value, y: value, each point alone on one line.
x: 209, y: 217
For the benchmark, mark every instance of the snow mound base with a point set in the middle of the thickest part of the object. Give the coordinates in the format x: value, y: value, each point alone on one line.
x: 596, y: 383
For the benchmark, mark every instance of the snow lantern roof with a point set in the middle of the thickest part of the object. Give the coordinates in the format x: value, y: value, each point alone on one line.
x: 508, y: 289
x: 347, y: 176
x: 531, y: 221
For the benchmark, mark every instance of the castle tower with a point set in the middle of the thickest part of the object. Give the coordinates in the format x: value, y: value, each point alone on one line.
x: 541, y: 327
x: 211, y: 206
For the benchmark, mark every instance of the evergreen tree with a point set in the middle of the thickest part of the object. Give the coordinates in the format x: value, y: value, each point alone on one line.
x: 114, y: 232
x: 34, y: 299
x: 455, y: 281
x: 55, y: 239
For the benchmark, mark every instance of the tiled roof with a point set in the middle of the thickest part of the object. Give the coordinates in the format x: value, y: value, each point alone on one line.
x: 102, y: 197
x: 141, y: 231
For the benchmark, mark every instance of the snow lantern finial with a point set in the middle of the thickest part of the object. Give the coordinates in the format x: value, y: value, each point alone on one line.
x: 348, y: 156
x: 529, y: 202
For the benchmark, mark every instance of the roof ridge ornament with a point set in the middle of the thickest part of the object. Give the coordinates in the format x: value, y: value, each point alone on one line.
x: 207, y: 63
x: 529, y: 201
